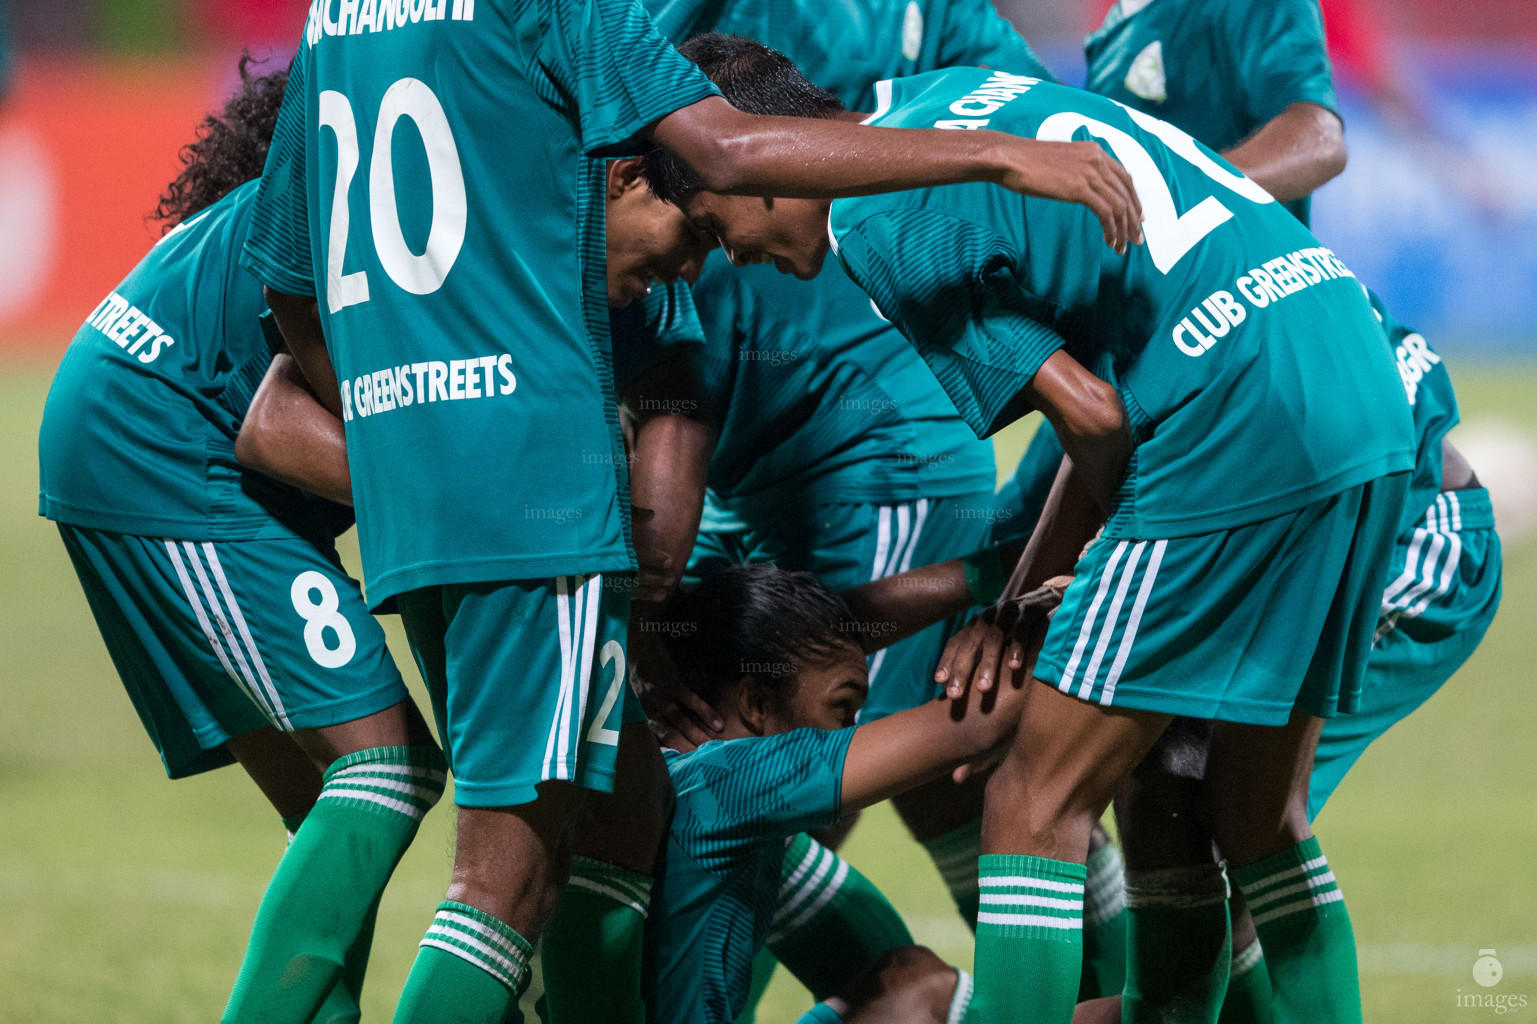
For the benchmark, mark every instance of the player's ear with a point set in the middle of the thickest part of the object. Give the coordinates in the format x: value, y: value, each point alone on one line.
x: 754, y: 704
x: 625, y: 175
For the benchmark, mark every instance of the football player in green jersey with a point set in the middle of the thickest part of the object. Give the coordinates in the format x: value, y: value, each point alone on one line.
x: 218, y: 592
x: 1184, y: 444
x: 782, y: 660
x: 456, y: 294
x: 1253, y: 81
x: 882, y: 453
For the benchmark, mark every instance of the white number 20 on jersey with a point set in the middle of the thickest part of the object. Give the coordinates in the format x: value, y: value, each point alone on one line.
x: 419, y: 274
x: 1169, y: 234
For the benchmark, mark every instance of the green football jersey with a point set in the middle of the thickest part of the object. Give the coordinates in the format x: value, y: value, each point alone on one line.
x: 1255, y: 376
x: 816, y: 397
x: 434, y: 182
x: 1433, y: 403
x: 1218, y: 69
x: 738, y: 803
x: 846, y: 46
x: 138, y: 432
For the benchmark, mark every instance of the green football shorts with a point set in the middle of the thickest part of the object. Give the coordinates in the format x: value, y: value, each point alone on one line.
x: 217, y: 639
x: 1239, y: 625
x: 1444, y: 588
x: 528, y: 681
x: 845, y: 545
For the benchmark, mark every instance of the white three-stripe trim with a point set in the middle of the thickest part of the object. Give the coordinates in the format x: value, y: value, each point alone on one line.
x: 256, y: 683
x: 1107, y: 580
x: 577, y: 621
x: 890, y: 558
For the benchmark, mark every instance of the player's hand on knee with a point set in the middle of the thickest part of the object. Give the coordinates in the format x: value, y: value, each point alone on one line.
x: 997, y: 642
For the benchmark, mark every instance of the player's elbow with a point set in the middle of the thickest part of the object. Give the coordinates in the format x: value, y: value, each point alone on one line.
x: 253, y: 445
x: 1097, y: 414
x: 1327, y: 154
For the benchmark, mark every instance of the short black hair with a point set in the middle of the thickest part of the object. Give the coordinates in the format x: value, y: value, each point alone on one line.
x: 230, y: 148
x: 755, y: 620
x: 755, y: 80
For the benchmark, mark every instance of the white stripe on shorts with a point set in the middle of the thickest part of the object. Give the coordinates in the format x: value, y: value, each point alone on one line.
x: 245, y: 634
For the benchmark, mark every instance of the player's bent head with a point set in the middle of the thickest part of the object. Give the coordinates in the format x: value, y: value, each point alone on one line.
x: 771, y: 650
x: 648, y: 240
x: 230, y: 148
x: 789, y: 233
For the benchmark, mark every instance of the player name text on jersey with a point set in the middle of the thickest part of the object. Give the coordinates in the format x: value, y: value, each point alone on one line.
x: 987, y: 99
x: 354, y: 17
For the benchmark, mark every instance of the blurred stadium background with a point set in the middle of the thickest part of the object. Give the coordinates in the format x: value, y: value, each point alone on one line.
x: 126, y: 899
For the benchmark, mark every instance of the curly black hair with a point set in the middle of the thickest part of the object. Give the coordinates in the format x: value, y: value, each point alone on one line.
x: 230, y: 149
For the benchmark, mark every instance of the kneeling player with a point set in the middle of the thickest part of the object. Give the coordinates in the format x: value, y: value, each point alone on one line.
x: 1243, y: 440
x: 219, y: 593
x: 775, y: 654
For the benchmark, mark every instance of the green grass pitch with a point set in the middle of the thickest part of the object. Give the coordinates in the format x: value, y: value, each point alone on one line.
x: 124, y: 898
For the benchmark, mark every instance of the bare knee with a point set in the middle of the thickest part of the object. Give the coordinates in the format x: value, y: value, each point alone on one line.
x: 907, y: 985
x: 511, y: 862
x: 626, y: 827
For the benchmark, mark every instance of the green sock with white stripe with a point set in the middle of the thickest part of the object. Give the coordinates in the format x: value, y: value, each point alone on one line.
x: 322, y: 897
x: 470, y: 969
x: 1104, y: 925
x: 1248, y: 989
x: 955, y: 855
x: 831, y: 924
x: 1029, y: 940
x: 592, y: 947
x: 1310, y: 948
x: 1180, y: 945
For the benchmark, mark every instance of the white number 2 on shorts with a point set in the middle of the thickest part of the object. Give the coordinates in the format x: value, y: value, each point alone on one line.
x: 321, y: 616
x: 600, y: 732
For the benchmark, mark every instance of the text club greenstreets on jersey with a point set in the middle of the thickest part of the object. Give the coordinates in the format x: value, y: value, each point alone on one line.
x: 1270, y: 282
x: 397, y: 387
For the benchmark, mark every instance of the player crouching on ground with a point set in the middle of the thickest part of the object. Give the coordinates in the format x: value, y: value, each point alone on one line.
x: 780, y: 658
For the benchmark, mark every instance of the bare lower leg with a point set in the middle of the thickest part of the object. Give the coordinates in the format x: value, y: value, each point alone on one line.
x: 1058, y: 778
x: 511, y: 862
x: 626, y: 827
x: 1257, y: 786
x: 282, y: 770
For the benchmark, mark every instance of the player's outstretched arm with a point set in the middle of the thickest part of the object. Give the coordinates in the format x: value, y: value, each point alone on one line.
x: 895, y: 607
x: 896, y: 753
x: 288, y: 435
x: 1296, y: 152
x: 814, y: 158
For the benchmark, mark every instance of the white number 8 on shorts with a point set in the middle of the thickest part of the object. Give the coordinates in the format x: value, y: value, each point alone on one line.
x: 318, y: 617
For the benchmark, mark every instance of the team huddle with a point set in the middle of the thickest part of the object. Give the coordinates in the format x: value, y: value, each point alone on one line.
x: 698, y: 552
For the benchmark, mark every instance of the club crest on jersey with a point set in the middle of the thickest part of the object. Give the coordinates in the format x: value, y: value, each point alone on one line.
x: 912, y: 31
x: 1146, y: 77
